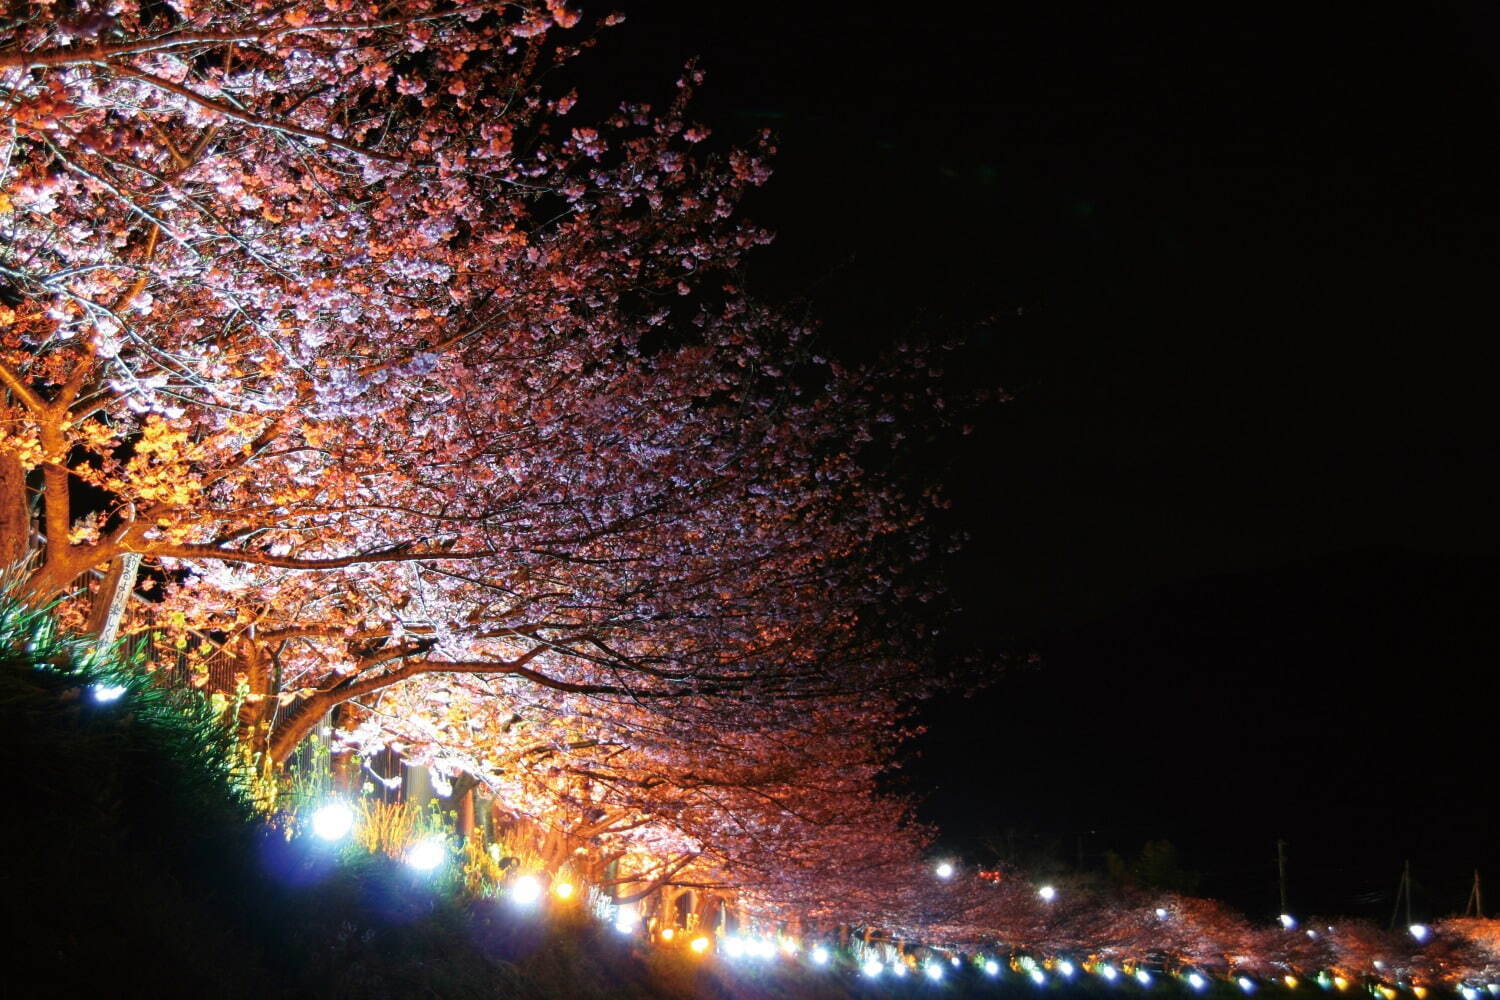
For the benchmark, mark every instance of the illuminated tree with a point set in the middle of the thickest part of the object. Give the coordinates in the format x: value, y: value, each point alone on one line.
x: 412, y: 393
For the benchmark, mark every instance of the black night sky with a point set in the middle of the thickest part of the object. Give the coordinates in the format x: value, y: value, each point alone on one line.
x: 1236, y: 266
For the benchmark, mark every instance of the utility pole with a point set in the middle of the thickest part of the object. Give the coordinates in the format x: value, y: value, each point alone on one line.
x: 1475, y: 906
x: 1281, y: 871
x: 1403, y: 889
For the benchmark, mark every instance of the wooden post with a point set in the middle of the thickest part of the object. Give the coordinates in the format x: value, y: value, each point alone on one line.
x: 108, y: 609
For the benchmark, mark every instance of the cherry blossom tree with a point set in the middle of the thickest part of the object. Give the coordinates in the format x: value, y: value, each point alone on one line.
x: 413, y: 394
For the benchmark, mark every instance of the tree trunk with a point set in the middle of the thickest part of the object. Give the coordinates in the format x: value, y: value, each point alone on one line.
x: 15, y: 512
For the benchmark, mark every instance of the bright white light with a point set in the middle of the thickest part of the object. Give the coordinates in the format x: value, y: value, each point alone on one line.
x: 899, y: 968
x: 1196, y: 981
x: 1469, y: 992
x: 761, y: 948
x: 733, y: 947
x: 1245, y: 984
x: 699, y: 945
x: 1107, y: 971
x: 107, y: 692
x: 1312, y: 933
x: 1379, y: 964
x: 1047, y: 893
x: 789, y: 945
x: 954, y: 961
x: 332, y: 821
x: 525, y: 890
x: 820, y: 955
x: 991, y: 967
x: 944, y: 869
x: 625, y: 919
x: 564, y: 890
x: 1288, y: 921
x: 1038, y: 976
x: 1066, y: 968
x: 1161, y: 913
x: 1494, y: 989
x: 1143, y: 977
x: 873, y: 968
x: 934, y: 971
x: 1419, y: 931
x: 426, y: 856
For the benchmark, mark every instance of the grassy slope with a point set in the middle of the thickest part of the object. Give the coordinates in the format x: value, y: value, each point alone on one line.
x: 133, y: 868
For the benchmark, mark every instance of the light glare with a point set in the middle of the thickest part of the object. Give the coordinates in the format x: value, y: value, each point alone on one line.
x: 820, y: 955
x: 944, y: 869
x: 332, y: 821
x: 1047, y: 893
x: 426, y: 856
x: 873, y: 968
x: 107, y: 692
x: 526, y: 890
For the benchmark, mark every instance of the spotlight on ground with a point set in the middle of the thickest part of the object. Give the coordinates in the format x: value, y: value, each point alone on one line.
x: 525, y: 890
x: 426, y: 856
x: 332, y: 821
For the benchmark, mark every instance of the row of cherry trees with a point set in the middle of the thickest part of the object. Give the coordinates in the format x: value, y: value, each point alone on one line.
x: 420, y: 398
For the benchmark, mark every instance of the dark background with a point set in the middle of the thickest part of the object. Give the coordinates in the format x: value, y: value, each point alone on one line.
x: 1235, y: 264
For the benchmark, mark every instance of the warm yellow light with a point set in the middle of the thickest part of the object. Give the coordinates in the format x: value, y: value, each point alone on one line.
x: 789, y: 945
x: 699, y: 945
x: 564, y: 890
x: 668, y: 934
x: 1420, y: 992
x: 1341, y: 982
x: 1291, y: 982
x: 1388, y: 993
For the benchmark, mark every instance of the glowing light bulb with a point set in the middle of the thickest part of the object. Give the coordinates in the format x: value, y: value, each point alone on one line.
x: 1420, y: 992
x: 668, y: 933
x: 699, y: 945
x: 873, y: 968
x: 820, y: 955
x: 1038, y: 976
x: 1469, y: 993
x: 1291, y: 982
x: 1341, y: 982
x: 991, y: 967
x: 1161, y: 913
x: 564, y: 890
x: 1066, y: 968
x: 1047, y: 893
x: 626, y: 919
x: 944, y: 869
x: 1108, y: 971
x: 733, y: 947
x: 934, y: 971
x: 107, y: 692
x: 1245, y: 984
x: 1196, y: 981
x: 1143, y: 977
x: 427, y: 855
x: 898, y: 968
x: 1288, y: 921
x: 789, y: 946
x: 1419, y: 931
x: 953, y: 961
x: 332, y: 821
x: 525, y: 890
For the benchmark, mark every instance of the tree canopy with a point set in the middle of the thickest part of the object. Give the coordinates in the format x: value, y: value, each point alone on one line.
x: 415, y: 394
